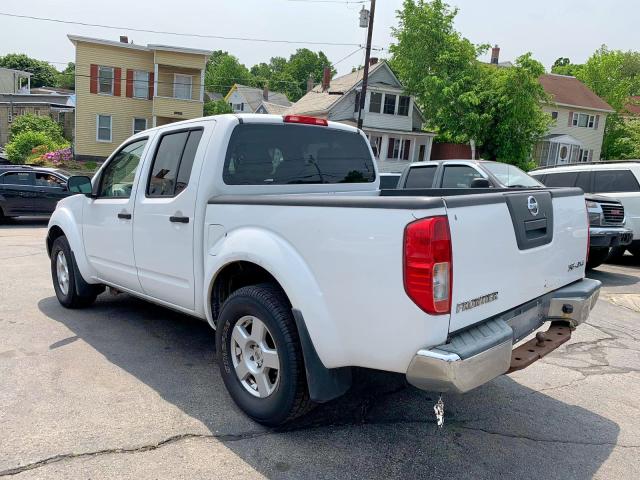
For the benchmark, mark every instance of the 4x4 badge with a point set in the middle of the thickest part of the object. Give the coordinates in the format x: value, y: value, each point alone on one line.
x: 532, y: 205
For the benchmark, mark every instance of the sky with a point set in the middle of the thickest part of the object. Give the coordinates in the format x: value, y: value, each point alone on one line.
x: 547, y: 28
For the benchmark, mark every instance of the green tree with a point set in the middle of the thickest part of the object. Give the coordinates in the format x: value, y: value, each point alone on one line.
x: 513, y: 97
x: 563, y: 66
x: 223, y: 71
x: 301, y: 64
x: 439, y: 67
x: 67, y: 78
x: 43, y: 74
x: 216, y: 107
x: 37, y: 123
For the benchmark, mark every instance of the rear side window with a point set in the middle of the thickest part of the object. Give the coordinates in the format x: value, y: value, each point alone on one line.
x: 459, y: 176
x: 615, y: 181
x: 296, y: 154
x: 565, y: 179
x: 18, y: 178
x: 420, y: 177
x: 389, y: 182
x: 172, y: 163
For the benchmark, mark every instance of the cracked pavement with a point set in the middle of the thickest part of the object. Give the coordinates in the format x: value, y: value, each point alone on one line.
x: 130, y: 390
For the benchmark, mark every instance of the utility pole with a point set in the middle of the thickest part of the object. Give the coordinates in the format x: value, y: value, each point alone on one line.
x: 365, y: 77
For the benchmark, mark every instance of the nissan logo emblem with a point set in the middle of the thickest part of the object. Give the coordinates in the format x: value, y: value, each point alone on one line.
x: 532, y: 205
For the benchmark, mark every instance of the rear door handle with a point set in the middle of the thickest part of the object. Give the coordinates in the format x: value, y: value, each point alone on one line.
x: 176, y: 219
x: 124, y: 216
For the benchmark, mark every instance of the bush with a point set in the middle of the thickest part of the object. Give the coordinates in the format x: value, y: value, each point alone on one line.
x: 31, y: 144
x: 37, y: 123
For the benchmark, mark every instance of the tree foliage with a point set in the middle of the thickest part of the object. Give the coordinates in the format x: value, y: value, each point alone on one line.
x: 43, y: 74
x: 216, y: 107
x: 37, y: 123
x: 463, y: 99
x: 223, y: 71
x: 67, y: 78
x: 563, y: 66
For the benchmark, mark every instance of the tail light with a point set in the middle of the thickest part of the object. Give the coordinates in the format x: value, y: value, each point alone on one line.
x: 428, y: 264
x: 306, y: 120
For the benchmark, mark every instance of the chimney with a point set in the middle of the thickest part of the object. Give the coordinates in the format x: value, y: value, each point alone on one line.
x: 495, y: 54
x: 124, y: 39
x: 265, y: 92
x: 310, y: 83
x: 326, y: 78
x: 373, y: 61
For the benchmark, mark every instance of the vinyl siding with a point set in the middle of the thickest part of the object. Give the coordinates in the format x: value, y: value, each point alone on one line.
x: 590, y: 137
x: 237, y: 97
x: 343, y: 109
x: 184, y: 60
x: 177, y: 109
x: 166, y: 81
x: 122, y: 109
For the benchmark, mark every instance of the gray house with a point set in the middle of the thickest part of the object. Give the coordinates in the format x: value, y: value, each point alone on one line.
x: 392, y: 121
x: 243, y: 99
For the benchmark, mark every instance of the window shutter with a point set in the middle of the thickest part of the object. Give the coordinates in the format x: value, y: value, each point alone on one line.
x: 590, y: 157
x: 117, y: 80
x: 570, y: 119
x: 151, y: 84
x: 129, y: 86
x: 595, y: 125
x: 93, y: 79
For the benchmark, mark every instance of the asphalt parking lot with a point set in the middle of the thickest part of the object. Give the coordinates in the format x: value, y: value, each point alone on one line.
x: 129, y: 390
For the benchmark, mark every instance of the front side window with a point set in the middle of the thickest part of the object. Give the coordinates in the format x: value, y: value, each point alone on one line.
x: 511, y: 176
x: 182, y: 86
x: 375, y: 102
x: 459, y: 176
x: 296, y: 154
x: 420, y: 177
x: 390, y: 104
x: 606, y: 181
x: 139, y: 124
x: 118, y: 175
x: 140, y: 84
x: 104, y: 123
x: 105, y: 80
x: 49, y: 180
x: 172, y: 163
x: 403, y: 106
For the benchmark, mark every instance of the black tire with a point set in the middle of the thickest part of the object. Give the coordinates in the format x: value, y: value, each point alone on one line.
x: 72, y: 298
x: 597, y: 256
x: 290, y: 398
x: 616, y: 253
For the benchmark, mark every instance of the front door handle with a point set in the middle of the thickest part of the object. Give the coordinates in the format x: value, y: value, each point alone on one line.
x: 177, y: 219
x: 124, y: 216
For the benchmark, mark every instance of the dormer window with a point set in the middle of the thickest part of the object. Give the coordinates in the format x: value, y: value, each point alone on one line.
x: 389, y: 104
x: 403, y: 106
x: 375, y: 102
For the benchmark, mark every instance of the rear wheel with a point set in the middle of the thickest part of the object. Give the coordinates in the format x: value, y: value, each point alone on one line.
x: 597, y: 257
x: 635, y: 250
x: 260, y: 356
x: 66, y: 278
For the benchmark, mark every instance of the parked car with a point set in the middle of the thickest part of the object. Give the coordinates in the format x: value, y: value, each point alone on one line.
x: 26, y: 190
x: 273, y: 229
x: 606, y: 215
x: 618, y: 180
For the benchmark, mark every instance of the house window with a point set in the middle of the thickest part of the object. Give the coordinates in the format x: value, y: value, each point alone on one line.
x: 182, y: 86
x: 105, y: 80
x: 375, y: 102
x: 139, y: 124
x: 554, y: 115
x: 583, y: 120
x: 403, y: 106
x: 140, y: 84
x: 237, y: 107
x: 584, y: 155
x: 390, y: 104
x: 103, y: 128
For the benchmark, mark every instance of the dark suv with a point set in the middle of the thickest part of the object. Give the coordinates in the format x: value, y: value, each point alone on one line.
x: 27, y: 190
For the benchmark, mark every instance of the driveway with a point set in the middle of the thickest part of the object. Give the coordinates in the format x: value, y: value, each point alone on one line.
x: 129, y: 390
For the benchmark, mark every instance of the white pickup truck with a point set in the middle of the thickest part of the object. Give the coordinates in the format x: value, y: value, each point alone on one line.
x: 274, y: 231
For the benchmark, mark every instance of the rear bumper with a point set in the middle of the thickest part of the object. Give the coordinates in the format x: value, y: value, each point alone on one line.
x: 610, y: 236
x: 475, y: 356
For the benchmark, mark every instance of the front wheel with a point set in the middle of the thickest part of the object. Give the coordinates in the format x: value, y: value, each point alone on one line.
x: 597, y: 257
x: 64, y: 278
x: 260, y: 356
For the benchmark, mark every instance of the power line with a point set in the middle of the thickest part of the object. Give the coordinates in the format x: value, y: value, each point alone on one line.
x: 180, y: 34
x: 343, y: 2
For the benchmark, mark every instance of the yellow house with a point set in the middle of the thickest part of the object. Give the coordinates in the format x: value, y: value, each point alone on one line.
x: 123, y: 88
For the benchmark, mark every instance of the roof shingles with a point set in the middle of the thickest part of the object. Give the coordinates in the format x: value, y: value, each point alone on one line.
x: 571, y: 91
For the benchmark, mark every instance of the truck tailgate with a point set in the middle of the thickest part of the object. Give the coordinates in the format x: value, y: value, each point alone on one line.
x: 509, y: 248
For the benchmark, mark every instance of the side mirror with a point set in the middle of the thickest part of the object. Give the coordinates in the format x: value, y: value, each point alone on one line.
x: 480, y: 183
x: 79, y: 184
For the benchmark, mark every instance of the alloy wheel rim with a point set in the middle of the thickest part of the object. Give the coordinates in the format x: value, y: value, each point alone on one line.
x: 255, y: 357
x: 62, y: 271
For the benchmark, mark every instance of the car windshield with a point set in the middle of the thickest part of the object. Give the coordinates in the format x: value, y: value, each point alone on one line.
x: 511, y: 176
